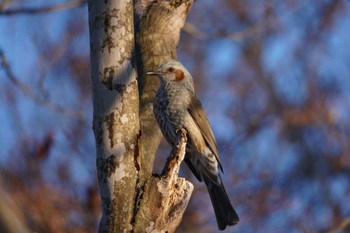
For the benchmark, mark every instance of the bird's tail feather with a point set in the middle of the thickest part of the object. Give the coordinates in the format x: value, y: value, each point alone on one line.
x: 224, y: 212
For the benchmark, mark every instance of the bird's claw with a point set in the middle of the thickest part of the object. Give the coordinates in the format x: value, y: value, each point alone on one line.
x: 182, y: 133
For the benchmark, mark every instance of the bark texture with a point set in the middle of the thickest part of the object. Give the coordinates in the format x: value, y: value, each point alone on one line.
x: 116, y: 104
x: 166, y: 198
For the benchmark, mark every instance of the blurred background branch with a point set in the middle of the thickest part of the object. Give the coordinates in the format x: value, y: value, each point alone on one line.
x: 250, y: 31
x: 38, y: 10
x: 28, y: 91
x: 344, y: 226
x: 9, y: 221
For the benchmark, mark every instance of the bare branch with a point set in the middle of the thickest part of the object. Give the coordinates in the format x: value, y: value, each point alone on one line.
x: 344, y: 226
x: 10, y: 222
x: 4, y: 4
x: 28, y: 91
x: 236, y: 36
x: 45, y: 9
x: 165, y: 199
x: 172, y: 166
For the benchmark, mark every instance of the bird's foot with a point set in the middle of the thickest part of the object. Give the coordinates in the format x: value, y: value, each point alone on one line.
x: 182, y: 133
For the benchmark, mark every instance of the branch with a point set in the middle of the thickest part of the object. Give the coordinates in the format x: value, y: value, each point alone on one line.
x: 9, y: 221
x: 28, y: 91
x: 45, y: 9
x: 171, y: 168
x: 343, y: 227
x: 115, y: 110
x: 4, y: 4
x: 165, y: 199
x: 236, y: 36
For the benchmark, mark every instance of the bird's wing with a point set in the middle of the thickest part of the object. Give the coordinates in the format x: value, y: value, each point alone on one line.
x: 200, y: 117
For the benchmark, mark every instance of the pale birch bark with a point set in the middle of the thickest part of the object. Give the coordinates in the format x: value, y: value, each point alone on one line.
x: 132, y: 199
x: 116, y: 115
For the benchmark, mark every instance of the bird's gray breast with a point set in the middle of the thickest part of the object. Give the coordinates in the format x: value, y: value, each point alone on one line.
x: 170, y: 109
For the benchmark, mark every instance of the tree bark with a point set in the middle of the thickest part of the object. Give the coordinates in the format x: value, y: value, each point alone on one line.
x: 115, y: 106
x: 126, y: 133
x: 165, y: 198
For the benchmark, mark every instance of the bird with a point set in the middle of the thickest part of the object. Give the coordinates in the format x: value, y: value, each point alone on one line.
x: 177, y: 107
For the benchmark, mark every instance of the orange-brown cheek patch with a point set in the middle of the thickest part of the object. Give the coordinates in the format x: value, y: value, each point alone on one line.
x: 179, y: 75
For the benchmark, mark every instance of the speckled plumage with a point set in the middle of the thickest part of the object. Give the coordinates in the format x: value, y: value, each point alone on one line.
x: 176, y: 106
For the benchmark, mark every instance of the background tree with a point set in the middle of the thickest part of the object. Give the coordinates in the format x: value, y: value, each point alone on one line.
x: 273, y: 77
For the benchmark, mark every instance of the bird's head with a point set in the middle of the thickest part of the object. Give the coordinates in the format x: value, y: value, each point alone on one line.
x: 174, y: 71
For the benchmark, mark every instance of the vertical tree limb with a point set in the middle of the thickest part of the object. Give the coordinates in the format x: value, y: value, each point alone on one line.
x: 116, y: 104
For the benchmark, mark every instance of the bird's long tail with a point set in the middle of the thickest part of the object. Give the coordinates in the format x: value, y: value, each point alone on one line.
x: 224, y: 212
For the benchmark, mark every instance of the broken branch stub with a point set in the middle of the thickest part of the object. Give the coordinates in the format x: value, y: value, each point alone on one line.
x: 177, y: 155
x: 165, y: 199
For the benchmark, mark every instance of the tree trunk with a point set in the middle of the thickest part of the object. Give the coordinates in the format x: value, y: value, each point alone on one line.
x: 127, y: 135
x: 115, y: 103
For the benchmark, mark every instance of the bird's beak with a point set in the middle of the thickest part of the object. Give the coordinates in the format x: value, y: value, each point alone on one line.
x: 153, y: 73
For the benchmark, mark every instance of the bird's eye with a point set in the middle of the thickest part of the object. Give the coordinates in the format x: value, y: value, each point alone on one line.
x: 171, y: 69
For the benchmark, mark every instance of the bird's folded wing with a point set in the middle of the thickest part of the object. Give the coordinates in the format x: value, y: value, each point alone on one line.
x: 197, y: 112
